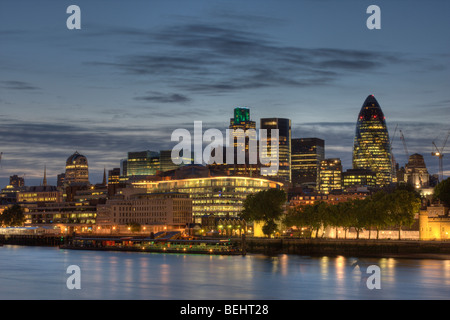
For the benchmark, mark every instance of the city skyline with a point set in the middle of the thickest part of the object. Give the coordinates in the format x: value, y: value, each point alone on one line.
x: 134, y: 73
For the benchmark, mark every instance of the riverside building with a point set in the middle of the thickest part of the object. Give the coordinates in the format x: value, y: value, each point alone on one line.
x: 151, y: 212
x: 220, y: 196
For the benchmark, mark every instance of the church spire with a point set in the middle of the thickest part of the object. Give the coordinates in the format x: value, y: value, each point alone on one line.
x: 104, y: 177
x: 44, y: 182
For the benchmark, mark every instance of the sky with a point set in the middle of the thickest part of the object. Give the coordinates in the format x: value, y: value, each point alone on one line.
x: 137, y: 70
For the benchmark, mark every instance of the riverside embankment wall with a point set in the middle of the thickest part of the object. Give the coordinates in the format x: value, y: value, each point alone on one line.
x: 357, y: 248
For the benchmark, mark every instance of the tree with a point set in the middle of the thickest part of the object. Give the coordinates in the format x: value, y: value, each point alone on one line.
x: 344, y: 216
x: 265, y: 206
x: 359, y: 215
x: 403, y: 205
x: 378, y: 211
x: 442, y: 192
x: 13, y: 216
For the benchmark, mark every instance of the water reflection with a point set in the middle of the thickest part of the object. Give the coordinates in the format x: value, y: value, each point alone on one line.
x: 39, y: 273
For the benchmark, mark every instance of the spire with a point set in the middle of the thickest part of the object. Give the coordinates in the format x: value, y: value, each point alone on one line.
x: 104, y: 177
x: 44, y: 182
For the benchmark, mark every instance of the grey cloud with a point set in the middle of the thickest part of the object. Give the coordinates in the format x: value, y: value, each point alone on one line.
x: 17, y: 85
x: 206, y: 58
x: 163, y: 98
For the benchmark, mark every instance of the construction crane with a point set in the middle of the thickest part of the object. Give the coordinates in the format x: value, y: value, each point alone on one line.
x: 404, y: 145
x: 440, y: 154
x: 392, y: 153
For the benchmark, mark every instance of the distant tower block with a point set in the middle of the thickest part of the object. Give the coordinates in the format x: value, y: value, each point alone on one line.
x: 77, y: 170
x: 371, y: 149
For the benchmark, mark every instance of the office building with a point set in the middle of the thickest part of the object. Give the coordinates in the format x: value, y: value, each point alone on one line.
x: 221, y: 196
x: 284, y: 145
x: 307, y: 153
x: 40, y: 194
x: 77, y: 170
x: 330, y: 175
x: 154, y: 212
x: 358, y: 178
x: 142, y: 163
x: 371, y: 149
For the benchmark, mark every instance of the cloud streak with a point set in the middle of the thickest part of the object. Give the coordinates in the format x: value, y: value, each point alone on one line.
x: 18, y: 85
x: 205, y: 58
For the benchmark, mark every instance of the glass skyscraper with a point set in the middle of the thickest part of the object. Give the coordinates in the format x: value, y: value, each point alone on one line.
x: 371, y: 149
x: 142, y: 163
x: 305, y: 159
x: 284, y: 147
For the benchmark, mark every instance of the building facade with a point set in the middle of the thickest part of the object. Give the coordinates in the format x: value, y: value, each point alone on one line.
x: 416, y: 172
x: 434, y: 223
x: 154, y: 212
x: 307, y: 153
x: 284, y: 146
x: 358, y: 178
x: 220, y: 196
x: 143, y: 163
x: 77, y: 170
x: 40, y: 194
x: 371, y: 148
x: 330, y: 175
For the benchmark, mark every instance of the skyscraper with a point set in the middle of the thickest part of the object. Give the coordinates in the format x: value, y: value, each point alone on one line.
x: 284, y: 146
x: 77, y: 170
x: 330, y: 175
x: 242, y: 143
x: 305, y: 159
x: 371, y: 149
x: 142, y: 163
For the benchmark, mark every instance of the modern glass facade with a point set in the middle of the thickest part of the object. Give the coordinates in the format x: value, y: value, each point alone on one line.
x: 358, y: 177
x: 371, y: 149
x: 218, y: 196
x: 330, y: 175
x: 142, y: 163
x: 284, y: 147
x: 305, y: 159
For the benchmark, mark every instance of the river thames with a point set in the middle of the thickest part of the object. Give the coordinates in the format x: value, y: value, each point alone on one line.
x: 40, y: 273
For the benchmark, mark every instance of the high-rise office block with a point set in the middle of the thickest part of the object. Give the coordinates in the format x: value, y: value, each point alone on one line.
x: 305, y: 159
x: 242, y: 142
x: 165, y: 161
x: 371, y: 149
x: 284, y: 146
x: 142, y: 163
x: 77, y: 170
x: 330, y: 175
x: 358, y: 178
x: 114, y: 176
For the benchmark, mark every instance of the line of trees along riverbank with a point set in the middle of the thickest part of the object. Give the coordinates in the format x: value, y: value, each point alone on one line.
x: 382, y: 210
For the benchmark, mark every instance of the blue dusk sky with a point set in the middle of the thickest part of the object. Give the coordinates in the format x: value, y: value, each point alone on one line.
x: 137, y: 70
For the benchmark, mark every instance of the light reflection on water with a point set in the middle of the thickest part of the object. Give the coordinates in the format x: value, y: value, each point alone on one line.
x: 40, y: 273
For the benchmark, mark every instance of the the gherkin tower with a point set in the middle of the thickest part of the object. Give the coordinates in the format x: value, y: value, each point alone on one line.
x: 371, y: 149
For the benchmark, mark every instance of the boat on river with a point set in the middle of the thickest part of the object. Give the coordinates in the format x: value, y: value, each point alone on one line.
x: 184, y: 246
